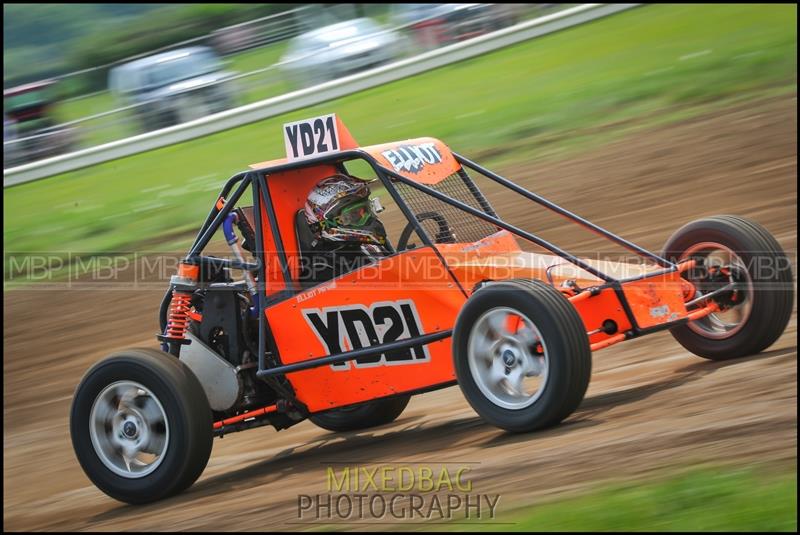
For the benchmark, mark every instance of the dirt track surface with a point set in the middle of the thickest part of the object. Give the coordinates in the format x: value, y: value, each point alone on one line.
x: 651, y: 405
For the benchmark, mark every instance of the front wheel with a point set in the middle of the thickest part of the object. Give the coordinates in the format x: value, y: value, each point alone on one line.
x: 521, y: 355
x: 141, y: 426
x: 733, y: 252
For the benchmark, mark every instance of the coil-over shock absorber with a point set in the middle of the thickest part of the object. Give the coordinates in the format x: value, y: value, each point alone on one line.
x: 183, y: 285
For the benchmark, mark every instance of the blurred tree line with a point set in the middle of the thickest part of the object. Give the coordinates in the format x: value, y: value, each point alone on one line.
x: 46, y: 40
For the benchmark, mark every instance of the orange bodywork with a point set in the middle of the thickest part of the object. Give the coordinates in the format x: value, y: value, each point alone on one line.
x: 421, y: 291
x: 435, y: 300
x: 288, y: 191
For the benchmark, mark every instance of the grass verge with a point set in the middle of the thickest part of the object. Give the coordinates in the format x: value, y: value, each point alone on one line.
x: 754, y: 498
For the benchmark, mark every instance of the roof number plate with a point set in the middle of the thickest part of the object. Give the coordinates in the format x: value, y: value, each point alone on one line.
x: 311, y: 137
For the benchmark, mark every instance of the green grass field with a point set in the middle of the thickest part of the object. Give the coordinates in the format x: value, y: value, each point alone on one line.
x: 709, y: 499
x: 534, y: 99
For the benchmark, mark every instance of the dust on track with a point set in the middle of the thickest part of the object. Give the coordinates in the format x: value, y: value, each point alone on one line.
x: 650, y: 406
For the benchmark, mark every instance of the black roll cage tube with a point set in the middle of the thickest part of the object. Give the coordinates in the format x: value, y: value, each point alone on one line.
x: 257, y: 180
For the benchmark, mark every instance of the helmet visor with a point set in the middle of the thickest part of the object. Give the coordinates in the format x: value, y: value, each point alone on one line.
x: 356, y: 214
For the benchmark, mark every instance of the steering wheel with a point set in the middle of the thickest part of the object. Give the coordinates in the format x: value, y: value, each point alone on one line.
x: 444, y: 233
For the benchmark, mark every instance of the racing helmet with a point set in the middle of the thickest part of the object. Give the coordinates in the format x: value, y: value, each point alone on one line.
x: 338, y: 209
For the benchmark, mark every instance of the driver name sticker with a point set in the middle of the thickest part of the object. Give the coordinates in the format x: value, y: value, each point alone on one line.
x: 413, y: 158
x: 311, y: 137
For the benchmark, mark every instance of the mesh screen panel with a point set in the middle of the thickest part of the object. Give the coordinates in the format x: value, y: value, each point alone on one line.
x: 443, y: 222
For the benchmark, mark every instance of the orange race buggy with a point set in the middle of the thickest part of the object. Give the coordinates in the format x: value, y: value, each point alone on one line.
x: 467, y: 305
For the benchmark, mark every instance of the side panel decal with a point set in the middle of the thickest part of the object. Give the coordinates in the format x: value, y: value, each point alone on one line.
x: 350, y: 327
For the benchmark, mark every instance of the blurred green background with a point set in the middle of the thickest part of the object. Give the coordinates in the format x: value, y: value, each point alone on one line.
x: 538, y: 99
x: 46, y: 40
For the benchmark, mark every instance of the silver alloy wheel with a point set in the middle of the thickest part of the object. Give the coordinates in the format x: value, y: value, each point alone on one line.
x: 504, y: 360
x: 721, y: 325
x: 129, y: 429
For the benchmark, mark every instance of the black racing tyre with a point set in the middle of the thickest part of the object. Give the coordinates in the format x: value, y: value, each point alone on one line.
x: 521, y: 355
x: 141, y: 426
x: 363, y: 416
x: 745, y: 253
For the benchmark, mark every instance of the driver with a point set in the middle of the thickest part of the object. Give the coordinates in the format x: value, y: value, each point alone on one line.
x: 344, y: 230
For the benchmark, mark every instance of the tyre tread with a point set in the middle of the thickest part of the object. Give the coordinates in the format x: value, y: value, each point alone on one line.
x: 179, y: 381
x: 567, y: 327
x: 766, y: 329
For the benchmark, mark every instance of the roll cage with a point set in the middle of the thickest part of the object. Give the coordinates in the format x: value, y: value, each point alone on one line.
x: 265, y: 217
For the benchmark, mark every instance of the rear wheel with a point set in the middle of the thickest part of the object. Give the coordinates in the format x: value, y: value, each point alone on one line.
x: 141, y: 426
x: 521, y: 355
x: 372, y: 414
x: 731, y: 250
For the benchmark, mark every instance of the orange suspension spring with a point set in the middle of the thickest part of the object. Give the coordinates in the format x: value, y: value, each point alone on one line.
x: 178, y: 320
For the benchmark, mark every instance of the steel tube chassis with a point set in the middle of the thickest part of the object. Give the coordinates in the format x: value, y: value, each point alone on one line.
x: 262, y: 201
